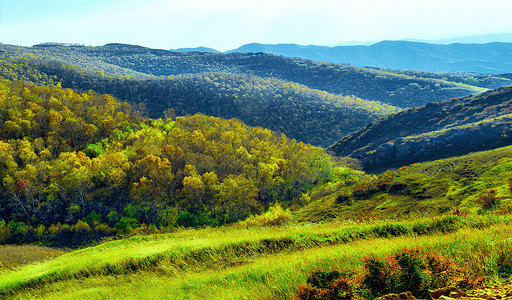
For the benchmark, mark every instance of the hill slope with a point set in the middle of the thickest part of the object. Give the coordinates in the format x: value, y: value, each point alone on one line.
x: 76, y: 166
x: 308, y: 115
x: 436, y: 130
x: 396, y: 89
x: 475, y: 183
x: 478, y: 58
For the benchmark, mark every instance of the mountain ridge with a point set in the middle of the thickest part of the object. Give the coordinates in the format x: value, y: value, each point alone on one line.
x: 480, y: 58
x: 433, y: 131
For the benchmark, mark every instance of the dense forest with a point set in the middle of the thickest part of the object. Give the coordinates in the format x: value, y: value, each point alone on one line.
x: 489, y: 81
x: 308, y: 115
x: 436, y: 130
x: 78, y: 166
x: 396, y: 89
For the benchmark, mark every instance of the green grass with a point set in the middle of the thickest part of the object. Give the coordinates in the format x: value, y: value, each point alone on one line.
x: 234, y: 262
x: 271, y: 276
x: 430, y: 188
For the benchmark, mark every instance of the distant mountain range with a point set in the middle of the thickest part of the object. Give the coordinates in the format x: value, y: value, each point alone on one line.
x: 196, y: 49
x: 488, y: 58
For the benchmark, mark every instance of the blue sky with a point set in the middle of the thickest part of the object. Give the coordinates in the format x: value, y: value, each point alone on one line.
x: 224, y: 25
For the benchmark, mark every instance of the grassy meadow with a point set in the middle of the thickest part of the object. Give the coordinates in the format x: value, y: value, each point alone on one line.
x: 238, y: 262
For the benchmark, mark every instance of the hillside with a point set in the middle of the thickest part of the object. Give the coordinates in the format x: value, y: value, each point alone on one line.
x: 475, y: 183
x: 478, y: 58
x: 370, y: 84
x: 201, y: 207
x: 307, y: 115
x: 436, y: 130
x: 77, y: 167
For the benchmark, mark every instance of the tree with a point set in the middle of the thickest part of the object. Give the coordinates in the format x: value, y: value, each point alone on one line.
x: 236, y: 199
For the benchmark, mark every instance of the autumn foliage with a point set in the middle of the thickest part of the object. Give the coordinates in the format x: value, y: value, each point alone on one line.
x: 65, y: 157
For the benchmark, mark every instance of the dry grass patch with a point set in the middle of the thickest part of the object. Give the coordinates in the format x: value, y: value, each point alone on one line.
x: 12, y: 256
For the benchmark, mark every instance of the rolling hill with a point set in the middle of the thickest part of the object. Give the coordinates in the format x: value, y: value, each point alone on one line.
x: 399, y: 90
x: 436, y: 130
x: 308, y: 115
x: 200, y: 207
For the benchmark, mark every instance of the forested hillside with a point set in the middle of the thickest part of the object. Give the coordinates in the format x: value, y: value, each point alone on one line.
x: 489, y: 81
x: 308, y: 115
x: 436, y: 130
x: 370, y: 84
x: 75, y: 167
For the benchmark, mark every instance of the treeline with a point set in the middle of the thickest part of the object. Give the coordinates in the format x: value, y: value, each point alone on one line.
x: 311, y: 116
x: 401, y: 90
x: 489, y: 81
x: 69, y: 159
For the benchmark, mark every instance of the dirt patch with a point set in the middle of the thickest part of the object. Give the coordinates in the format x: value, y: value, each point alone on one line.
x: 491, y: 292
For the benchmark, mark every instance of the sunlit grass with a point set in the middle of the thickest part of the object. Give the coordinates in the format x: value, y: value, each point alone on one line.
x: 276, y: 276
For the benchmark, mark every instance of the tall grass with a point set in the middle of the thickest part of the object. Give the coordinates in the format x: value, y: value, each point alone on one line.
x: 278, y: 276
x: 204, y: 248
x: 217, y: 249
x: 12, y: 256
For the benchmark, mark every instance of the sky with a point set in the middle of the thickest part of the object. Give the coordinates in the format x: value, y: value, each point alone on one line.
x: 228, y: 24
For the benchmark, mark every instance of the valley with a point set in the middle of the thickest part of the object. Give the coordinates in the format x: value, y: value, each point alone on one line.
x: 131, y: 172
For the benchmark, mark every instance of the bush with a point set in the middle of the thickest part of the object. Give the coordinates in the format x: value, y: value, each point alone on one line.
x: 5, y: 232
x: 328, y: 285
x: 275, y: 216
x: 504, y: 263
x: 186, y: 219
x: 413, y: 271
x: 410, y: 270
x: 488, y: 201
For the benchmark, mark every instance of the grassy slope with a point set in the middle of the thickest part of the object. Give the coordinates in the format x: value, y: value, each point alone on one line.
x: 423, y: 189
x: 201, y: 272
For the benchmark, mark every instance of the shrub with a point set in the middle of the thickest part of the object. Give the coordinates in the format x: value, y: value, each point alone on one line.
x: 378, y: 278
x: 343, y: 199
x: 504, y: 263
x: 328, y: 285
x: 457, y: 212
x: 275, y: 216
x: 365, y: 191
x: 488, y: 201
x: 5, y: 232
x: 413, y: 271
x: 410, y: 270
x: 187, y: 219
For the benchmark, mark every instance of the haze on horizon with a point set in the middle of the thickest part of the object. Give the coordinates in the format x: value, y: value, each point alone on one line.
x: 228, y: 24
